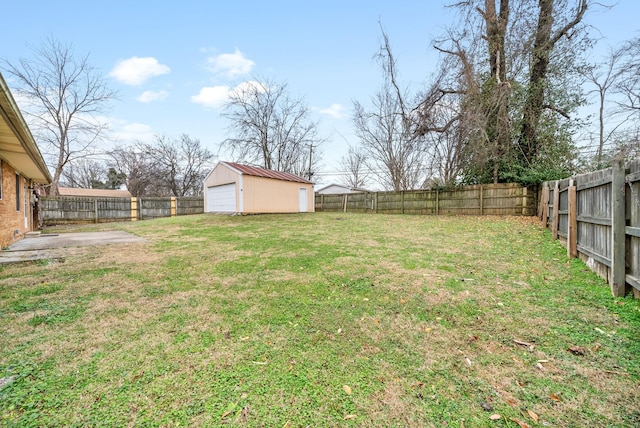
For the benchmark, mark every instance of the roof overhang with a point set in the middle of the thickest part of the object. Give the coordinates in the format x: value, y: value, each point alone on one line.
x: 17, y: 145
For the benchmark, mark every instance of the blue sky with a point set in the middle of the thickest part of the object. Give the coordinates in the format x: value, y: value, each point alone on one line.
x: 171, y: 62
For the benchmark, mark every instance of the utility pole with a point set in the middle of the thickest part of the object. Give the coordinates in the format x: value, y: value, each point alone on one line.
x: 310, y: 157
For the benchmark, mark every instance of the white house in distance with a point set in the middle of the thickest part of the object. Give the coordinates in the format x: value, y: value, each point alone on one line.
x: 243, y: 189
x: 339, y: 189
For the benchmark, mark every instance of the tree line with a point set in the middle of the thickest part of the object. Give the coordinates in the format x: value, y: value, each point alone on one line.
x: 504, y: 102
x: 503, y: 105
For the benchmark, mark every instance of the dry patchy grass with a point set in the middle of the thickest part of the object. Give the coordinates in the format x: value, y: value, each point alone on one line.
x: 262, y: 320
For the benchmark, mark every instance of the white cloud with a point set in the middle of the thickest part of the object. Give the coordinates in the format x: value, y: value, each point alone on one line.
x: 216, y: 96
x: 135, y: 71
x: 130, y: 132
x: 150, y: 96
x: 212, y: 96
x: 230, y: 65
x: 335, y: 110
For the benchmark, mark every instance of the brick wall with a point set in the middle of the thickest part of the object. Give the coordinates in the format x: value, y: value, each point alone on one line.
x: 11, y: 220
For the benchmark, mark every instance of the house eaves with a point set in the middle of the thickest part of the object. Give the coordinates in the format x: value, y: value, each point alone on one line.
x: 17, y: 145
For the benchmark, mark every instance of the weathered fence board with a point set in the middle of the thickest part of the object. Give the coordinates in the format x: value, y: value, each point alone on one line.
x: 66, y: 209
x: 607, y: 215
x: 486, y: 199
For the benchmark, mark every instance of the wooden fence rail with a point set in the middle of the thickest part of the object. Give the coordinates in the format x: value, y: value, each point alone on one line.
x: 68, y: 209
x: 486, y: 199
x: 597, y: 217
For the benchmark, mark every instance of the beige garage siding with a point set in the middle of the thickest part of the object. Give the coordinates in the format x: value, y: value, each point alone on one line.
x: 266, y: 195
x: 220, y: 176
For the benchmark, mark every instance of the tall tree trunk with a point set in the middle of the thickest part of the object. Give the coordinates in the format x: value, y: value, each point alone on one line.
x: 544, y: 43
x: 497, y: 104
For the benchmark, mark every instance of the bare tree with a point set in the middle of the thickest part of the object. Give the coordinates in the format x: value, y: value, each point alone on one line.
x: 164, y: 167
x: 605, y: 77
x: 135, y: 169
x: 629, y: 83
x: 271, y: 129
x: 354, y: 163
x: 65, y: 95
x: 84, y: 173
x: 178, y: 167
x: 396, y: 155
x: 387, y: 130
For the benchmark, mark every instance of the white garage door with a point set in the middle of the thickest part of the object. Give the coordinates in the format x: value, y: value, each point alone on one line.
x: 221, y: 198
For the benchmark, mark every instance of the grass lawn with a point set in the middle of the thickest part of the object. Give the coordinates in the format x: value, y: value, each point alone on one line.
x: 318, y: 320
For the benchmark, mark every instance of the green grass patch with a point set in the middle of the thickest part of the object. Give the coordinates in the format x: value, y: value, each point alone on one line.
x: 318, y: 320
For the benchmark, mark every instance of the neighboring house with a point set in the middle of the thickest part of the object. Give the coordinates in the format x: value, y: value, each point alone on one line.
x: 244, y: 189
x: 339, y: 189
x: 93, y: 193
x: 22, y: 167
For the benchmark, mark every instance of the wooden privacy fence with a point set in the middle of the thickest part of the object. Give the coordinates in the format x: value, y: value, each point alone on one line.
x: 76, y: 209
x: 597, y: 216
x: 485, y: 199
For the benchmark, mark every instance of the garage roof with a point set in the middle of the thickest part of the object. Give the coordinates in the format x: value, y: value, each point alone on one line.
x: 266, y: 173
x: 93, y: 193
x: 17, y: 145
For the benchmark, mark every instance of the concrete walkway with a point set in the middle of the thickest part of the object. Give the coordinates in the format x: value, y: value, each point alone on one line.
x: 52, y: 246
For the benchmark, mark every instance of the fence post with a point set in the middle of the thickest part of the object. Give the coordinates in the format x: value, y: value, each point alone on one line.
x: 346, y: 199
x: 481, y: 199
x: 556, y: 205
x: 402, y: 201
x: 376, y: 202
x: 545, y: 205
x: 95, y: 208
x: 572, y: 225
x: 525, y: 205
x: 618, y: 232
x: 437, y: 201
x: 174, y: 206
x: 134, y: 208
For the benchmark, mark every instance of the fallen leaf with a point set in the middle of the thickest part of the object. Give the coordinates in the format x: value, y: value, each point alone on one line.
x: 554, y: 397
x: 519, y: 422
x: 347, y: 389
x: 533, y: 415
x: 596, y: 348
x: 539, y: 366
x: 347, y: 417
x: 577, y: 350
x: 495, y: 417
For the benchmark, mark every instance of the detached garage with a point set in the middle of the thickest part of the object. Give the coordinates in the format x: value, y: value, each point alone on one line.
x: 244, y: 189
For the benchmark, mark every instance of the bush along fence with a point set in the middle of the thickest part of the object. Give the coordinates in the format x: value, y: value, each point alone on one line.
x: 66, y: 209
x: 597, y: 217
x: 485, y: 199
